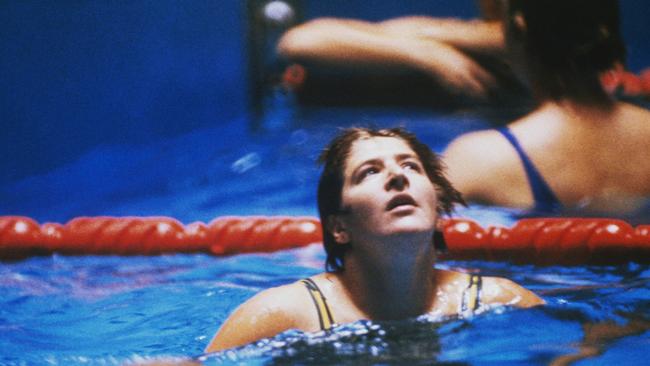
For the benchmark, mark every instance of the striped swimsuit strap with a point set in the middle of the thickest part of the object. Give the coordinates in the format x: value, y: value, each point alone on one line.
x: 324, y: 314
x: 472, y: 294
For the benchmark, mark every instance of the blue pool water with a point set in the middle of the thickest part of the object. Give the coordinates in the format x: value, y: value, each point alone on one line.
x: 139, y: 109
x: 98, y: 310
x: 109, y: 310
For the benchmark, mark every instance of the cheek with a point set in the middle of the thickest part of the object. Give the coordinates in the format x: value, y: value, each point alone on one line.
x: 433, y: 209
x: 364, y: 208
x: 430, y: 196
x: 359, y: 203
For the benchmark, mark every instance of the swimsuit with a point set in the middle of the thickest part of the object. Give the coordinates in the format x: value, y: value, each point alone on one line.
x: 324, y: 314
x: 470, y: 302
x: 543, y: 197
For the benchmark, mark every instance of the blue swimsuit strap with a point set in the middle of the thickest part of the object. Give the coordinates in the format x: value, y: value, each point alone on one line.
x: 545, y: 199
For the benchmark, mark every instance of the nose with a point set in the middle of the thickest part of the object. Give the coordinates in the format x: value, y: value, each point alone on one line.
x: 396, y: 180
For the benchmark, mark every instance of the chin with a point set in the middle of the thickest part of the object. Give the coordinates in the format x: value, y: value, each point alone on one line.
x: 410, y: 225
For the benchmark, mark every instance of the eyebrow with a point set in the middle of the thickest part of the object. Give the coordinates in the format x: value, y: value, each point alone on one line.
x: 402, y: 157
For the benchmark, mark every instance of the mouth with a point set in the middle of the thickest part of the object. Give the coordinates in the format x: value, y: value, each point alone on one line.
x: 400, y: 200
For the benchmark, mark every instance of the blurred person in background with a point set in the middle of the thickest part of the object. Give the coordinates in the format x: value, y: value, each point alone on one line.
x: 580, y: 148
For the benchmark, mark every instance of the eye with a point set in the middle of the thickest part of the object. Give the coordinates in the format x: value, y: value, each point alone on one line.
x: 412, y: 165
x: 367, y: 172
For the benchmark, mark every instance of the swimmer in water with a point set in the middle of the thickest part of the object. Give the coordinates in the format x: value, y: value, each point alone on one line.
x: 580, y: 149
x: 380, y: 197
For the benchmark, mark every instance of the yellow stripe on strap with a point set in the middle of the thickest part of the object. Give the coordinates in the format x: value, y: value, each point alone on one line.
x: 474, y: 286
x: 324, y: 315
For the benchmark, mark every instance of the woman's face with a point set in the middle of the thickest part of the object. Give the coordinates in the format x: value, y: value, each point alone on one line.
x: 386, y: 190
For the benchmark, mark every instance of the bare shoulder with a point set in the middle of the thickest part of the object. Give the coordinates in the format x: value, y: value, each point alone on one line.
x: 266, y: 314
x: 482, y: 150
x: 473, y: 157
x: 637, y: 118
x: 497, y: 290
x: 484, y: 144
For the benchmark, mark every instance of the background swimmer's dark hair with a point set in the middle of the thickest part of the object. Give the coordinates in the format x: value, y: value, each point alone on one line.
x: 330, y: 186
x: 567, y: 44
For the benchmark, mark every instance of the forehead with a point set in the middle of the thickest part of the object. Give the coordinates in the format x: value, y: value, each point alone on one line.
x: 370, y: 148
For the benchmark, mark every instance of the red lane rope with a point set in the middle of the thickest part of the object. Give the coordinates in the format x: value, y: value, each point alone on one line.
x: 545, y: 241
x: 22, y: 236
x: 627, y: 83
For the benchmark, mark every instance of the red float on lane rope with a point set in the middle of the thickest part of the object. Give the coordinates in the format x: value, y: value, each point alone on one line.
x: 544, y: 241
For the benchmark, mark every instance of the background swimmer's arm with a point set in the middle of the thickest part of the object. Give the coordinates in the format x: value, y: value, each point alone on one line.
x: 264, y: 315
x: 339, y: 41
x: 498, y: 290
x: 353, y: 43
x: 475, y: 36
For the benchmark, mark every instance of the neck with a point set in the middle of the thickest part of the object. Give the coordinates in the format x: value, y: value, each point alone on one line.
x: 579, y: 109
x: 568, y: 113
x: 395, y: 281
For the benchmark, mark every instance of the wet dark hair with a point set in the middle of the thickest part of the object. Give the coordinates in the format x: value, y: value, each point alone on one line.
x: 567, y: 45
x: 330, y: 187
